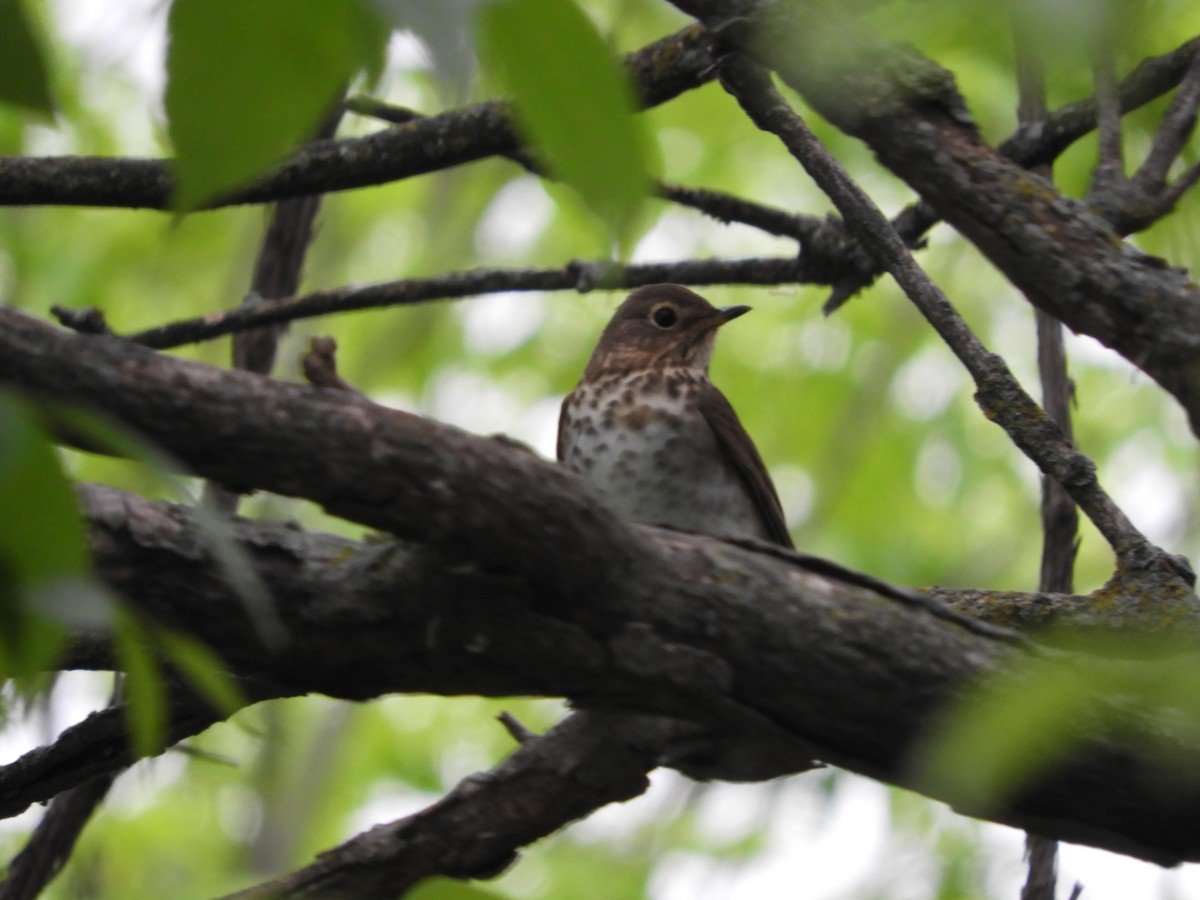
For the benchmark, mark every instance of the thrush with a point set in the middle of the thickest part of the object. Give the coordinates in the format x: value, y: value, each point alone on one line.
x: 647, y: 428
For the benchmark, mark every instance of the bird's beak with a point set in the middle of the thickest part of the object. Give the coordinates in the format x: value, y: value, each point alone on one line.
x: 729, y: 313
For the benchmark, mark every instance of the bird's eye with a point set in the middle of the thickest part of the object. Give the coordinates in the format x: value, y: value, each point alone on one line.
x: 664, y: 316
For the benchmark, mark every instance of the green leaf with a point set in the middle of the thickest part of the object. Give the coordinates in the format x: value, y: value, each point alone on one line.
x: 574, y: 100
x: 24, y: 78
x: 234, y: 562
x: 144, y: 688
x: 45, y: 583
x: 248, y: 82
x: 41, y: 533
x: 450, y: 889
x: 1020, y: 723
x: 203, y: 670
x: 1008, y: 732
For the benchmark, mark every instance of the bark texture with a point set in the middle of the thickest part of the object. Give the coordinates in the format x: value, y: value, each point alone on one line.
x: 512, y: 578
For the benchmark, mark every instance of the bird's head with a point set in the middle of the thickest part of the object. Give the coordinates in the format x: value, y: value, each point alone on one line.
x: 661, y: 326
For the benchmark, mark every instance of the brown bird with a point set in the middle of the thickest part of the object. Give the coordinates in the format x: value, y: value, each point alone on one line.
x: 648, y: 429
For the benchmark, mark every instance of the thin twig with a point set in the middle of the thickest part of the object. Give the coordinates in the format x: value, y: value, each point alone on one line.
x: 1133, y: 203
x: 1060, y: 518
x: 277, y: 272
x: 278, y: 268
x: 1110, y: 165
x: 828, y: 255
x: 1042, y: 140
x: 578, y: 276
x: 1174, y: 132
x: 58, y: 831
x: 999, y: 395
x: 320, y: 366
x: 513, y: 726
x: 54, y: 838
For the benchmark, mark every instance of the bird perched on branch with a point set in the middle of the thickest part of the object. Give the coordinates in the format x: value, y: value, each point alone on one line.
x: 648, y: 429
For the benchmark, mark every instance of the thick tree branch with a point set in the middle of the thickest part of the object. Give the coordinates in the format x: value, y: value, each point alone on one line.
x: 695, y: 637
x: 367, y: 619
x: 522, y: 582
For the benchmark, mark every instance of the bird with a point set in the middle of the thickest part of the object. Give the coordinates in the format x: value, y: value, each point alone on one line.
x: 647, y: 428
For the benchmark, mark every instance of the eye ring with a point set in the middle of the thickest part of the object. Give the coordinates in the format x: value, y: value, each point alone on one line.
x: 664, y: 316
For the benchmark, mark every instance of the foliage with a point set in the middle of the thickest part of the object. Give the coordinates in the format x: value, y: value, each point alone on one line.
x: 883, y: 461
x: 23, y: 78
x: 596, y: 146
x: 284, y: 70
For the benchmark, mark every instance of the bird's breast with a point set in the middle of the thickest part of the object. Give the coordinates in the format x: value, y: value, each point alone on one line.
x: 641, y: 440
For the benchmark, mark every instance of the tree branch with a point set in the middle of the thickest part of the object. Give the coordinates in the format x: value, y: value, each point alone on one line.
x: 520, y: 581
x: 50, y: 845
x: 1060, y: 517
x: 91, y: 751
x: 1064, y: 257
x: 577, y: 276
x: 370, y: 619
x: 999, y: 395
x: 660, y: 72
x: 475, y: 831
x: 1041, y: 140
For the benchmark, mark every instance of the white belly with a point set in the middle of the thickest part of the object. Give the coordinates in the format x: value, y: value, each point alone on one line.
x: 655, y: 460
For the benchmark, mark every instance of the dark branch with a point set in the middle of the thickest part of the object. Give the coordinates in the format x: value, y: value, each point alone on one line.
x: 50, y: 845
x: 1000, y: 396
x: 1042, y: 140
x: 476, y: 830
x: 582, y: 277
x: 1060, y: 517
x: 520, y: 581
x: 660, y: 71
x: 1064, y: 257
x: 91, y: 751
x: 1132, y: 203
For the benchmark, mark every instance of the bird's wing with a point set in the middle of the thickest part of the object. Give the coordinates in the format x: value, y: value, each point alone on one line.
x: 561, y: 448
x: 741, y: 453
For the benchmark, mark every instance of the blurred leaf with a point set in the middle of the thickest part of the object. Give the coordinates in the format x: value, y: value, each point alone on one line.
x: 450, y: 889
x: 24, y: 78
x: 1075, y: 29
x: 445, y: 30
x: 247, y: 82
x: 231, y: 558
x: 1009, y: 730
x: 203, y: 670
x: 40, y: 529
x: 145, y: 692
x: 575, y: 101
x: 44, y: 577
